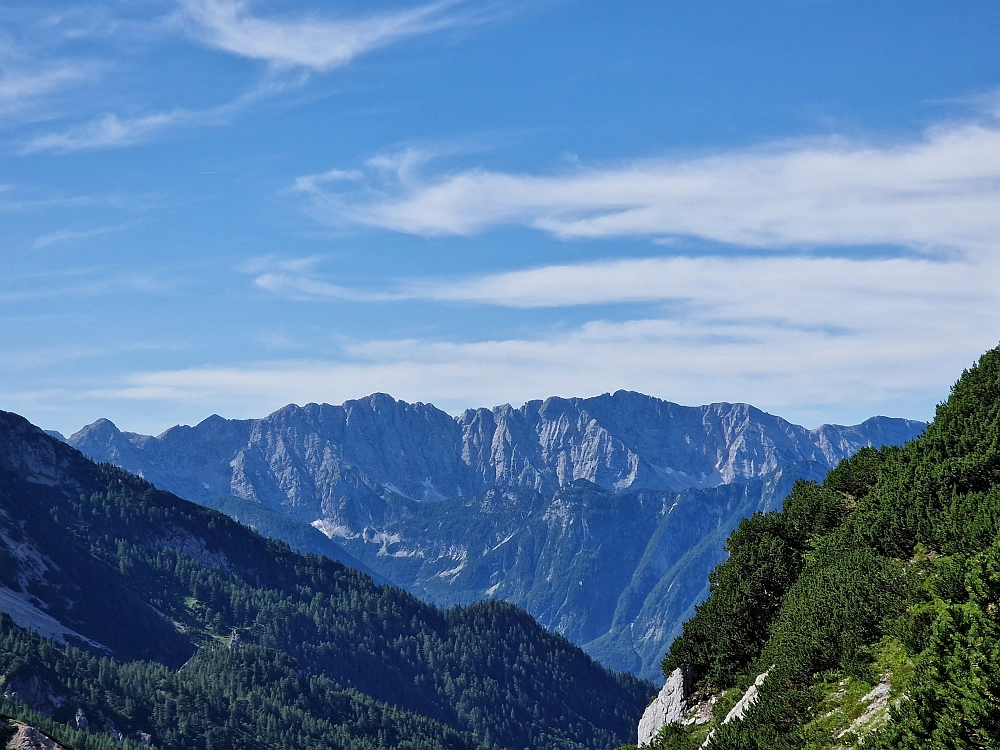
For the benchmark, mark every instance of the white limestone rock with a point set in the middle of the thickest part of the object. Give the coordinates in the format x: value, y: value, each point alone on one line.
x: 668, y: 708
x: 320, y: 461
x: 737, y: 712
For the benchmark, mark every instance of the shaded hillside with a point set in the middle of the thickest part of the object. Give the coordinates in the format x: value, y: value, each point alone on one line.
x: 274, y: 524
x: 616, y: 573
x: 109, y: 563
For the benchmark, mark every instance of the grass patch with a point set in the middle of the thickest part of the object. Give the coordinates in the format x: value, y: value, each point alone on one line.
x: 842, y: 702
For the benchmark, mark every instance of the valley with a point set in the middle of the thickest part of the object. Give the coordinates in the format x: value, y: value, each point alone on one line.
x: 602, y: 517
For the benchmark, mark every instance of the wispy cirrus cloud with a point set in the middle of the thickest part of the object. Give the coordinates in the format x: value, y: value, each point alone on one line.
x: 25, y: 88
x: 803, y: 336
x: 798, y: 371
x: 299, y: 278
x: 112, y: 131
x: 799, y: 288
x: 70, y: 235
x: 109, y: 131
x: 941, y: 190
x: 314, y: 42
x: 795, y: 288
x: 295, y: 47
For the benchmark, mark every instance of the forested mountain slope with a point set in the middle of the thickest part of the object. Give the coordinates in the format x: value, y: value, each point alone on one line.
x: 616, y: 573
x: 870, y: 600
x: 551, y: 486
x: 247, y: 644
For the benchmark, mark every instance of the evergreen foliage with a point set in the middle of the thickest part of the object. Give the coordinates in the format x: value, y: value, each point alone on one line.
x: 250, y: 698
x: 898, y: 543
x: 332, y: 660
x: 954, y: 699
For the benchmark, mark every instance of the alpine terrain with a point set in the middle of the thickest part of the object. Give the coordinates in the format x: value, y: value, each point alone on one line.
x: 601, y: 516
x: 132, y: 615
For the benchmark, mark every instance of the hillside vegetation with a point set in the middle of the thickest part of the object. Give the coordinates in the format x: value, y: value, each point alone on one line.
x: 204, y: 635
x: 883, y: 581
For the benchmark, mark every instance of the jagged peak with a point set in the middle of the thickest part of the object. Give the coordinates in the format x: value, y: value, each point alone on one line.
x: 98, y: 426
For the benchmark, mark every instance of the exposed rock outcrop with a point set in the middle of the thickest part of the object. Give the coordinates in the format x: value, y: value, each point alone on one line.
x: 79, y: 721
x: 34, y: 692
x: 324, y: 462
x: 669, y: 707
x: 29, y: 738
x: 876, y: 713
x: 737, y: 712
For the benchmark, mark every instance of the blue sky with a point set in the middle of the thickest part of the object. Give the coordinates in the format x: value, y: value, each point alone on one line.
x: 210, y: 206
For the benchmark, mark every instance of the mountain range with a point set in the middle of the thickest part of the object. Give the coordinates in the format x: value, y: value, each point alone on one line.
x: 130, y: 617
x: 601, y: 516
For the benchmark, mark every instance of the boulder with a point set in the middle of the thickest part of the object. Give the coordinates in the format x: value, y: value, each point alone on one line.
x: 669, y: 706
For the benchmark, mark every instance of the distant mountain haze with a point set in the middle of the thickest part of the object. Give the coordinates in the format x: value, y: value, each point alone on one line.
x: 601, y: 516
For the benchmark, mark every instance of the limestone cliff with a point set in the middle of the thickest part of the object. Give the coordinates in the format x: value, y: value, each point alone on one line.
x: 329, y: 462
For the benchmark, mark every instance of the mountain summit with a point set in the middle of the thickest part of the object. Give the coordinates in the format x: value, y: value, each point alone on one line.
x: 308, y: 460
x: 601, y: 516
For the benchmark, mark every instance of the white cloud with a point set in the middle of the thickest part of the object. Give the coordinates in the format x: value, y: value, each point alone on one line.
x: 941, y: 190
x: 301, y: 286
x: 111, y: 131
x: 297, y: 278
x: 21, y: 89
x: 824, y: 290
x: 68, y: 235
x: 811, y: 339
x: 792, y: 331
x: 107, y: 132
x: 781, y: 371
x: 312, y: 42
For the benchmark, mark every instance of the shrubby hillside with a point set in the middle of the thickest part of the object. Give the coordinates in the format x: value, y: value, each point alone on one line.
x: 167, y: 619
x: 871, y: 600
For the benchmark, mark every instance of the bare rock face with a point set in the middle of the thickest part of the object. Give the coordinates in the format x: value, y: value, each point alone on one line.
x: 34, y: 692
x: 334, y: 462
x: 80, y: 722
x: 669, y: 707
x: 737, y: 712
x: 29, y: 738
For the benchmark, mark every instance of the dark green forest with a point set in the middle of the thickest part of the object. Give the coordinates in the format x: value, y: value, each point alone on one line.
x: 219, y: 638
x: 896, y: 552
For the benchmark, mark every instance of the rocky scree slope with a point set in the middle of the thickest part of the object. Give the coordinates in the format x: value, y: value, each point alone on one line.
x: 99, y: 569
x: 615, y: 565
x: 616, y: 573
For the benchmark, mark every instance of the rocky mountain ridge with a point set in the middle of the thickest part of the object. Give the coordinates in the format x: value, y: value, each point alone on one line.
x: 602, y: 516
x: 311, y: 460
x: 206, y: 619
